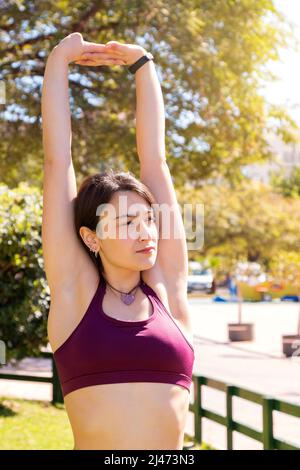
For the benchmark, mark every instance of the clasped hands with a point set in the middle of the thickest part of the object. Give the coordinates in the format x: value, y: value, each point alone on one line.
x: 73, y: 48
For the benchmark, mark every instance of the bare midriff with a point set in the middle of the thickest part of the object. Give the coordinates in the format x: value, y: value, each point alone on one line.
x: 133, y: 416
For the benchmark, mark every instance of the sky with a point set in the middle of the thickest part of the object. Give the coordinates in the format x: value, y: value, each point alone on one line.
x: 286, y: 90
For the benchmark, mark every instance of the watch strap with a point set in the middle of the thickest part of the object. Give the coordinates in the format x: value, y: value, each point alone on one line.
x: 141, y: 61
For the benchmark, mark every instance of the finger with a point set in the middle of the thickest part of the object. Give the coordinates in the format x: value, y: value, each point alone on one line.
x: 89, y: 61
x: 112, y: 61
x: 100, y: 62
x: 115, y: 50
x: 102, y: 55
x: 83, y: 62
x: 93, y: 47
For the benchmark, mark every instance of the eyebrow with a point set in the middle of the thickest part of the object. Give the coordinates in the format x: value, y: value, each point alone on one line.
x: 150, y: 211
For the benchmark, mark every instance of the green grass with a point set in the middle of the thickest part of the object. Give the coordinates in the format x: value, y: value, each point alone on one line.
x: 190, y: 440
x: 39, y: 425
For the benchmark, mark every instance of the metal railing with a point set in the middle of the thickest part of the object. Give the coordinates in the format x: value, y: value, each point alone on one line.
x: 268, y: 403
x: 57, y: 396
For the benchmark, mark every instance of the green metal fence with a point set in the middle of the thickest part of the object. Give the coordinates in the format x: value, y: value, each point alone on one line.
x: 268, y: 403
x: 57, y: 396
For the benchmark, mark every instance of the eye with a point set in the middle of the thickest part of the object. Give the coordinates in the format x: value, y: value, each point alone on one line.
x: 150, y: 218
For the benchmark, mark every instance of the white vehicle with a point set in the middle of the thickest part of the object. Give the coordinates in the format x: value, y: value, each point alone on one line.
x: 200, y: 280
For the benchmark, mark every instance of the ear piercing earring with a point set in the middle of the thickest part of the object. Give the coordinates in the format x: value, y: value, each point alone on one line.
x: 95, y: 252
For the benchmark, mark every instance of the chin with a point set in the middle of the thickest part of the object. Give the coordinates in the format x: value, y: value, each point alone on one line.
x: 148, y: 264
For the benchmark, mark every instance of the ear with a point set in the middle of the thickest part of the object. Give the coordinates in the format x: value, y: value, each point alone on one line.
x: 86, y: 235
x: 81, y: 233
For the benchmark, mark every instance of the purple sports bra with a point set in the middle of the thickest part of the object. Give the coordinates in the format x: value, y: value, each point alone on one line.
x: 104, y: 350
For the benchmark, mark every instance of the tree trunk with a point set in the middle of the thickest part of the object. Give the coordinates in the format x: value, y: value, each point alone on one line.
x: 239, y: 294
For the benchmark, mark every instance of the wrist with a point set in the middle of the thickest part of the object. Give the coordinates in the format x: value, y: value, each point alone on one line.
x: 58, y: 55
x: 138, y: 55
x: 141, y: 63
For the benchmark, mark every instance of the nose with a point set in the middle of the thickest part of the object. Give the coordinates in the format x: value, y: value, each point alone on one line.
x: 144, y: 231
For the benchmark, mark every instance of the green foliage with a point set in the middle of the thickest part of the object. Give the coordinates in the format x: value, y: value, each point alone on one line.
x: 24, y: 299
x: 285, y: 267
x: 288, y: 186
x: 210, y: 57
x: 248, y: 223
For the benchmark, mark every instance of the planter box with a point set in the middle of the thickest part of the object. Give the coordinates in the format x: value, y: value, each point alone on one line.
x: 291, y: 345
x: 240, y: 331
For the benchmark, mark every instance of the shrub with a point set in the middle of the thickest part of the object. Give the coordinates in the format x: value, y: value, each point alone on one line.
x: 24, y: 293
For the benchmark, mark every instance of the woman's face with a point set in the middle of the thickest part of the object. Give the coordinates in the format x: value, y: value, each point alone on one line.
x: 121, y: 235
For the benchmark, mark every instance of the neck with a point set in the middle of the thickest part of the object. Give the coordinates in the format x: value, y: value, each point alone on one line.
x: 123, y: 282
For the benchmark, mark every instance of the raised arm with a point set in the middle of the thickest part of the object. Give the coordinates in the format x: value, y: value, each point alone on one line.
x: 60, y: 246
x: 172, y: 256
x: 64, y: 256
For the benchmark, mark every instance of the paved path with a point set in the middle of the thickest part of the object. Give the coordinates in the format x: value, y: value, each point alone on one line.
x: 258, y: 366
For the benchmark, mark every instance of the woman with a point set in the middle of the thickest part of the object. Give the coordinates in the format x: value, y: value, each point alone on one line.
x: 119, y: 324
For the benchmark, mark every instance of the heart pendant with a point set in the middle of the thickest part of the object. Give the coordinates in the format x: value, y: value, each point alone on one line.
x: 127, y: 298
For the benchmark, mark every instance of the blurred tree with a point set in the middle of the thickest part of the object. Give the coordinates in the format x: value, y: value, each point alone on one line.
x: 285, y: 269
x: 288, y: 186
x: 251, y: 222
x: 24, y: 294
x: 210, y: 57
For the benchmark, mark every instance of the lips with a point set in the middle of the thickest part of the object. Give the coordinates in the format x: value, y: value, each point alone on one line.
x: 148, y: 249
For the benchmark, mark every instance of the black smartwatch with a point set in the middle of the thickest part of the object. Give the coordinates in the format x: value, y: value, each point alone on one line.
x: 141, y: 61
